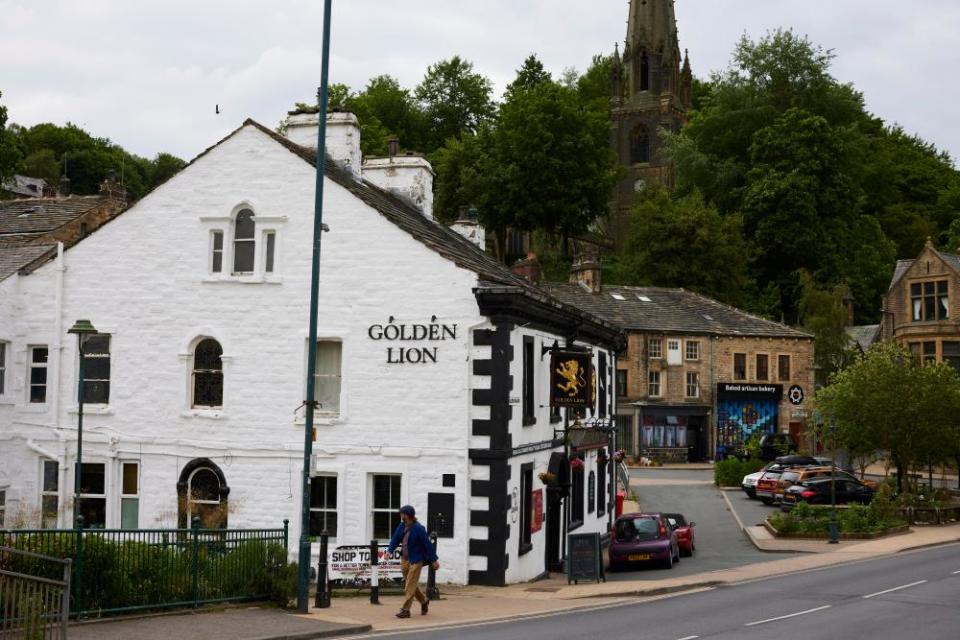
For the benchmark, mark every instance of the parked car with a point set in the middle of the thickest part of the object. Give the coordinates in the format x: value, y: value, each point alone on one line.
x: 749, y: 482
x: 796, y: 475
x: 684, y: 531
x: 640, y: 538
x: 817, y: 491
x: 774, y: 445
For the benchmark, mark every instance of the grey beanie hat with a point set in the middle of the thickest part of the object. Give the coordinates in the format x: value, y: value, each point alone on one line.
x: 408, y: 510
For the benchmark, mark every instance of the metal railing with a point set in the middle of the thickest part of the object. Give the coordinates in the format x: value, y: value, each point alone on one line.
x: 33, y: 606
x: 115, y: 570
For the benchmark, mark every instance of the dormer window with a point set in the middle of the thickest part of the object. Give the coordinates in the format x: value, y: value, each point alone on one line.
x: 929, y: 301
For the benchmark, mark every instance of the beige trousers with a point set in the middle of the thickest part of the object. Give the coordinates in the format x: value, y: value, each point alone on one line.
x: 411, y: 583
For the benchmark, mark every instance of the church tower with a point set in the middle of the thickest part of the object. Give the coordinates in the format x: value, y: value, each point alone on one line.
x: 651, y: 88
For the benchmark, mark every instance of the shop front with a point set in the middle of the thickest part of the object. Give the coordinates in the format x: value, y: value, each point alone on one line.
x: 742, y: 410
x: 674, y: 434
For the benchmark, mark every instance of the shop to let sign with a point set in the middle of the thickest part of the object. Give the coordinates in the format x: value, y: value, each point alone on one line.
x: 571, y: 377
x: 351, y: 563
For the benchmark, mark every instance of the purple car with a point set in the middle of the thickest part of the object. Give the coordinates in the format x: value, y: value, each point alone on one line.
x: 643, y: 538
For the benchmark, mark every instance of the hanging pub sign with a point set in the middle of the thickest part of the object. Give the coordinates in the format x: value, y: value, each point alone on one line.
x: 571, y: 376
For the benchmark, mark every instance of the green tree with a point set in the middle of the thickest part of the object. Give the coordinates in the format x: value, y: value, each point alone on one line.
x: 42, y: 164
x: 665, y: 231
x: 823, y: 313
x: 455, y: 100
x: 163, y: 167
x: 9, y: 149
x: 888, y: 400
x: 396, y: 110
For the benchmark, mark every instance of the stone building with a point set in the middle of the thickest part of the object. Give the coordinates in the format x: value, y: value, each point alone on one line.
x: 433, y: 366
x: 698, y: 377
x: 651, y: 90
x: 921, y: 309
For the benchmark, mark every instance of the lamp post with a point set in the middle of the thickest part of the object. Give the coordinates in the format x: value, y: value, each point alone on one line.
x: 834, y: 534
x: 303, y: 599
x: 82, y: 329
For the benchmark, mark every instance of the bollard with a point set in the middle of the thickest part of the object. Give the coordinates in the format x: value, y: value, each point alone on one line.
x: 433, y: 593
x: 322, y: 600
x: 374, y: 573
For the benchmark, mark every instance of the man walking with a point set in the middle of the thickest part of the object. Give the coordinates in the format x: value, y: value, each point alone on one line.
x: 416, y: 551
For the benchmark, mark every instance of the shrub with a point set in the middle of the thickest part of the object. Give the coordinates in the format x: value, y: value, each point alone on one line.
x: 730, y: 472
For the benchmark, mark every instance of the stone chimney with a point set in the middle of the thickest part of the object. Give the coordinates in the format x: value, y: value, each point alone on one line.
x: 409, y: 176
x: 64, y: 189
x: 343, y: 136
x: 113, y: 189
x: 586, y: 272
x: 528, y: 268
x: 470, y: 228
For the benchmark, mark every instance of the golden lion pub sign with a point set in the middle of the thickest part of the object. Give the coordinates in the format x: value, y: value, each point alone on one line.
x: 571, y: 379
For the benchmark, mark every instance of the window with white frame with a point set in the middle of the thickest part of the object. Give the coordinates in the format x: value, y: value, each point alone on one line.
x: 327, y: 379
x: 129, y: 495
x: 216, y: 251
x: 49, y: 494
x: 93, y: 495
x: 323, y: 505
x: 386, y: 504
x: 39, y: 355
x: 693, y: 384
x: 693, y: 349
x: 96, y: 369
x: 655, y: 348
x: 244, y: 243
x: 3, y: 367
x: 207, y: 375
x: 653, y: 384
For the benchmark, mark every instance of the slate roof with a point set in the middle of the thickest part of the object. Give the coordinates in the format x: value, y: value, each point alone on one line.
x: 670, y: 311
x: 864, y: 335
x: 14, y: 258
x: 40, y: 215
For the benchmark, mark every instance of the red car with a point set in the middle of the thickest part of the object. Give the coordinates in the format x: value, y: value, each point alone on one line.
x: 684, y: 531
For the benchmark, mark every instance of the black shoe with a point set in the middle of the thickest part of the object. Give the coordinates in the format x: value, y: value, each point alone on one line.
x: 424, y: 608
x: 403, y: 613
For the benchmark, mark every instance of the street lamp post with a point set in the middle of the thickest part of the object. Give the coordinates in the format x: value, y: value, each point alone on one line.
x: 82, y: 329
x: 303, y: 599
x: 834, y: 534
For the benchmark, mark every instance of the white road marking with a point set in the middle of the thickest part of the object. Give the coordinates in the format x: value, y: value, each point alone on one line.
x: 955, y: 573
x: 903, y: 586
x: 792, y: 615
x: 690, y: 638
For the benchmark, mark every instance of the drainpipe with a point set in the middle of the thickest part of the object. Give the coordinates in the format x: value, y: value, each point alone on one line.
x: 712, y: 425
x: 57, y: 344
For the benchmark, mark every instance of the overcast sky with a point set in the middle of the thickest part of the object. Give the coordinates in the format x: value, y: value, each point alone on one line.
x: 147, y: 74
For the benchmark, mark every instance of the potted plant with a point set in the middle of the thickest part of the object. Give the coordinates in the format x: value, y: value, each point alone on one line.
x: 547, y: 478
x: 577, y: 464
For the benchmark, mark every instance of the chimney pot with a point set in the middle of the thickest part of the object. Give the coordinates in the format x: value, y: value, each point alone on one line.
x: 528, y: 268
x: 393, y: 146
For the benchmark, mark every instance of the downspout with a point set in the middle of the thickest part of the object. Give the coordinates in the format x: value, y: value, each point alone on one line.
x: 57, y: 335
x: 712, y: 425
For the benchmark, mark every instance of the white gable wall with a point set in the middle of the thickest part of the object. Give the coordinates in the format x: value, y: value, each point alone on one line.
x: 144, y: 279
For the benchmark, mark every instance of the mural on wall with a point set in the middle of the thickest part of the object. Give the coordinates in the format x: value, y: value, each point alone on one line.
x: 738, y: 419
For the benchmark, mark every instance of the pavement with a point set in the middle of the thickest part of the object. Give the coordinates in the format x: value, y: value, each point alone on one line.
x: 470, y: 605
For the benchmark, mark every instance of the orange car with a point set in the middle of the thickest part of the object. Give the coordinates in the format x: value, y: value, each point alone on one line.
x: 790, y: 477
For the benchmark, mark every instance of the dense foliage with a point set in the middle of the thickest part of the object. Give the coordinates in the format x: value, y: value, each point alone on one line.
x: 853, y: 519
x: 730, y: 472
x: 821, y: 185
x: 51, y: 151
x: 890, y: 401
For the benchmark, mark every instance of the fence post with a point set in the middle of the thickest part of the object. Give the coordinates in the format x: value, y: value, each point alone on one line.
x: 433, y: 593
x: 286, y: 531
x: 322, y: 600
x: 65, y: 599
x: 374, y: 573
x: 195, y: 559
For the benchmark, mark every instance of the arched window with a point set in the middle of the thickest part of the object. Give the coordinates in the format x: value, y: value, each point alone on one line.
x: 644, y: 73
x: 207, y: 374
x: 202, y: 493
x: 244, y: 242
x: 640, y: 145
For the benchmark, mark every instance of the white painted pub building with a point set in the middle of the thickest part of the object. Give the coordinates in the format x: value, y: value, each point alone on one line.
x: 433, y: 369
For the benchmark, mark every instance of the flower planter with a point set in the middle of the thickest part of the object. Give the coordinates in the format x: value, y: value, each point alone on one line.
x: 843, y: 536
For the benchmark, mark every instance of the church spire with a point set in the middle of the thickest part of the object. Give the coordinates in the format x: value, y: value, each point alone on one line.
x: 652, y: 25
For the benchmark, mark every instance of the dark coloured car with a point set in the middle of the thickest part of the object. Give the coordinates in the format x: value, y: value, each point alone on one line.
x: 817, y: 491
x: 643, y: 538
x: 749, y: 482
x: 684, y: 531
